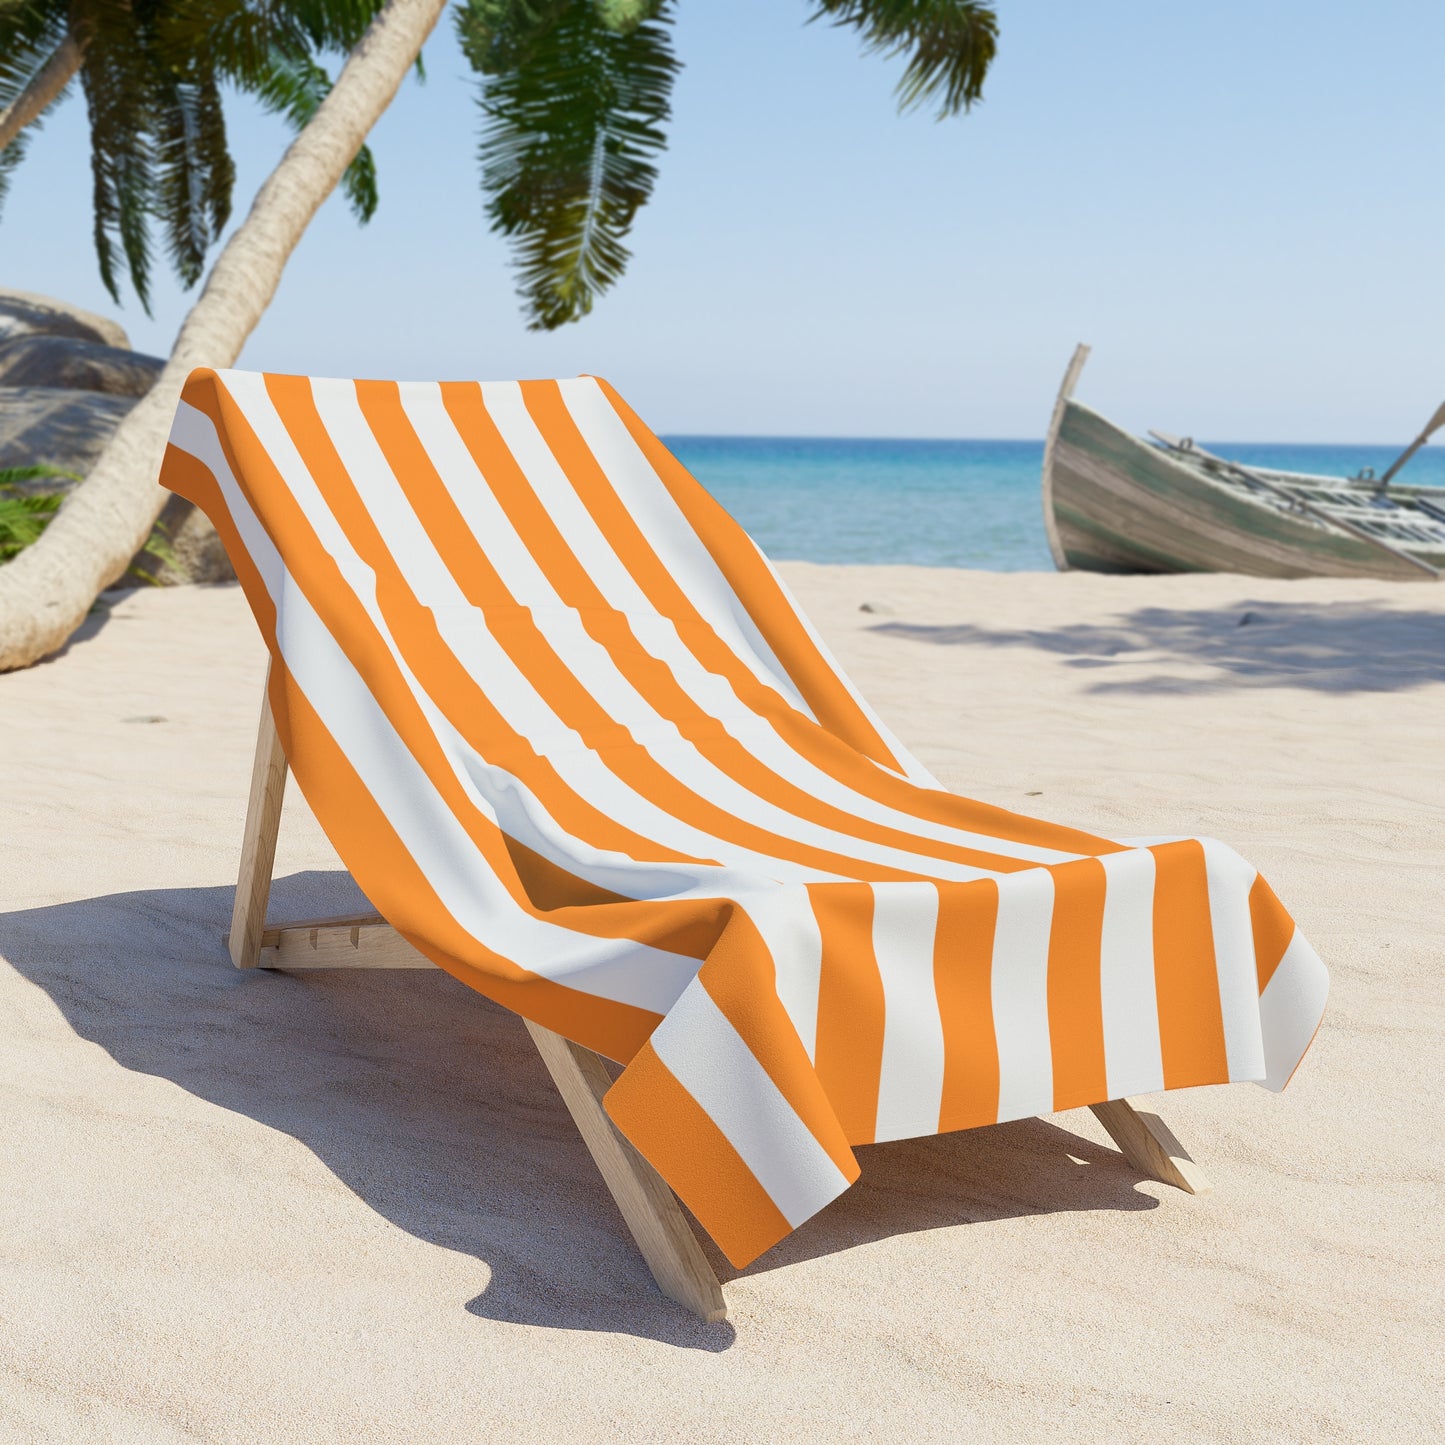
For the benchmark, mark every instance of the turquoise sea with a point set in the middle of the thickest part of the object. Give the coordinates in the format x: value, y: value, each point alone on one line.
x: 935, y: 503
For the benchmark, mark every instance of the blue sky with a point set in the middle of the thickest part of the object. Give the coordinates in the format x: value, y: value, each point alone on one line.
x: 1238, y: 204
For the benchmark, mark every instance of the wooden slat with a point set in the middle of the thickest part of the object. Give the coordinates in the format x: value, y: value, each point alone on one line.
x: 1148, y: 1143
x: 258, y: 846
x: 361, y: 942
x: 651, y: 1211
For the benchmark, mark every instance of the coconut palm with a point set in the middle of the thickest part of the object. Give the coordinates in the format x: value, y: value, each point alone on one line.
x: 152, y: 75
x: 574, y: 94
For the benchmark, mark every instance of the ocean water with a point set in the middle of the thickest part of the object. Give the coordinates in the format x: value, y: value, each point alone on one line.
x: 935, y: 503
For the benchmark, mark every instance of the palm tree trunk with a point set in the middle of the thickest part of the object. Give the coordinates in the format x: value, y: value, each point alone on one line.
x: 45, y: 85
x: 47, y: 590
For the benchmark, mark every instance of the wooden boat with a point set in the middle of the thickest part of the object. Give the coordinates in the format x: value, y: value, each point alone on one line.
x: 1116, y: 503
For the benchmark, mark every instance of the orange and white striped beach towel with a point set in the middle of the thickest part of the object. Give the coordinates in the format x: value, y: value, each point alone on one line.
x: 577, y: 744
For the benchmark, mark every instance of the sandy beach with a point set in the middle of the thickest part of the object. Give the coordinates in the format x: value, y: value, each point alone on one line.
x: 340, y: 1207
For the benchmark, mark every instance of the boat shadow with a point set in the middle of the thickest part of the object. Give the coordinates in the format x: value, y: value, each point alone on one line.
x: 1338, y: 647
x: 430, y: 1104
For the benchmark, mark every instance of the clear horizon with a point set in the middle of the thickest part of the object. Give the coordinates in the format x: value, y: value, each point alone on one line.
x: 1193, y: 193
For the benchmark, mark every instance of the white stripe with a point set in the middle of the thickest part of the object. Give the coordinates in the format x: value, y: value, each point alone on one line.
x: 1133, y: 1061
x: 1020, y: 983
x: 1230, y: 879
x: 712, y: 1062
x: 1290, y: 1010
x: 910, y: 1081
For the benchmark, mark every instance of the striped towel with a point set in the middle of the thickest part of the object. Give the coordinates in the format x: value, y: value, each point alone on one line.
x: 577, y: 744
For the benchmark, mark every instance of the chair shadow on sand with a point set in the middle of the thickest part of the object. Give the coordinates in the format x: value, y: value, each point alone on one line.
x: 1338, y: 647
x: 431, y: 1105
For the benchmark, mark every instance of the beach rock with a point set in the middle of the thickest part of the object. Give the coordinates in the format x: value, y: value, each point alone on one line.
x: 67, y: 361
x: 23, y: 313
x: 67, y: 377
x: 58, y: 426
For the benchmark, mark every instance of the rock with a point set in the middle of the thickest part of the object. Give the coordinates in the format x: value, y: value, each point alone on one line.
x: 67, y: 377
x: 67, y: 361
x: 58, y: 426
x: 881, y: 608
x: 22, y: 313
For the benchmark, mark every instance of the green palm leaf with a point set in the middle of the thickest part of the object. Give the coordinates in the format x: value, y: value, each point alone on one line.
x: 949, y: 43
x: 194, y: 174
x: 574, y: 95
x: 117, y: 75
x: 29, y: 35
x: 152, y: 72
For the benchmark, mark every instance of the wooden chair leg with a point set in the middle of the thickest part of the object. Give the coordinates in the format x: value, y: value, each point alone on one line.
x: 1148, y: 1143
x: 258, y: 848
x: 649, y: 1207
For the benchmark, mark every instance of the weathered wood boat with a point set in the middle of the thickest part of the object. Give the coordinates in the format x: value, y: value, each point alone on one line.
x: 1116, y: 503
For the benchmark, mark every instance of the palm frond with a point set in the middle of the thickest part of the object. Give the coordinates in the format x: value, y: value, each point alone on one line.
x: 268, y: 48
x: 116, y: 74
x: 574, y: 95
x: 950, y: 45
x: 194, y: 173
x: 29, y: 35
x: 335, y: 25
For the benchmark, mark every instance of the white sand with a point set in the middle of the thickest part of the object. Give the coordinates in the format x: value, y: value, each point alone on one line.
x: 260, y: 1208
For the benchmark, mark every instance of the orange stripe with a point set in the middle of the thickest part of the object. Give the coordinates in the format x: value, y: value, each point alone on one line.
x: 1186, y: 979
x: 1273, y: 930
x: 669, y: 1128
x: 1076, y: 1003
x: 963, y: 981
x: 849, y: 1053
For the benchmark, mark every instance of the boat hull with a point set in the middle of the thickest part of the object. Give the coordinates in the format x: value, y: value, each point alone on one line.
x: 1116, y: 504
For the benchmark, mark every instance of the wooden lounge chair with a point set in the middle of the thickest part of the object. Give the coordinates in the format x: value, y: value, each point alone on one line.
x: 658, y: 1225
x: 579, y: 747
